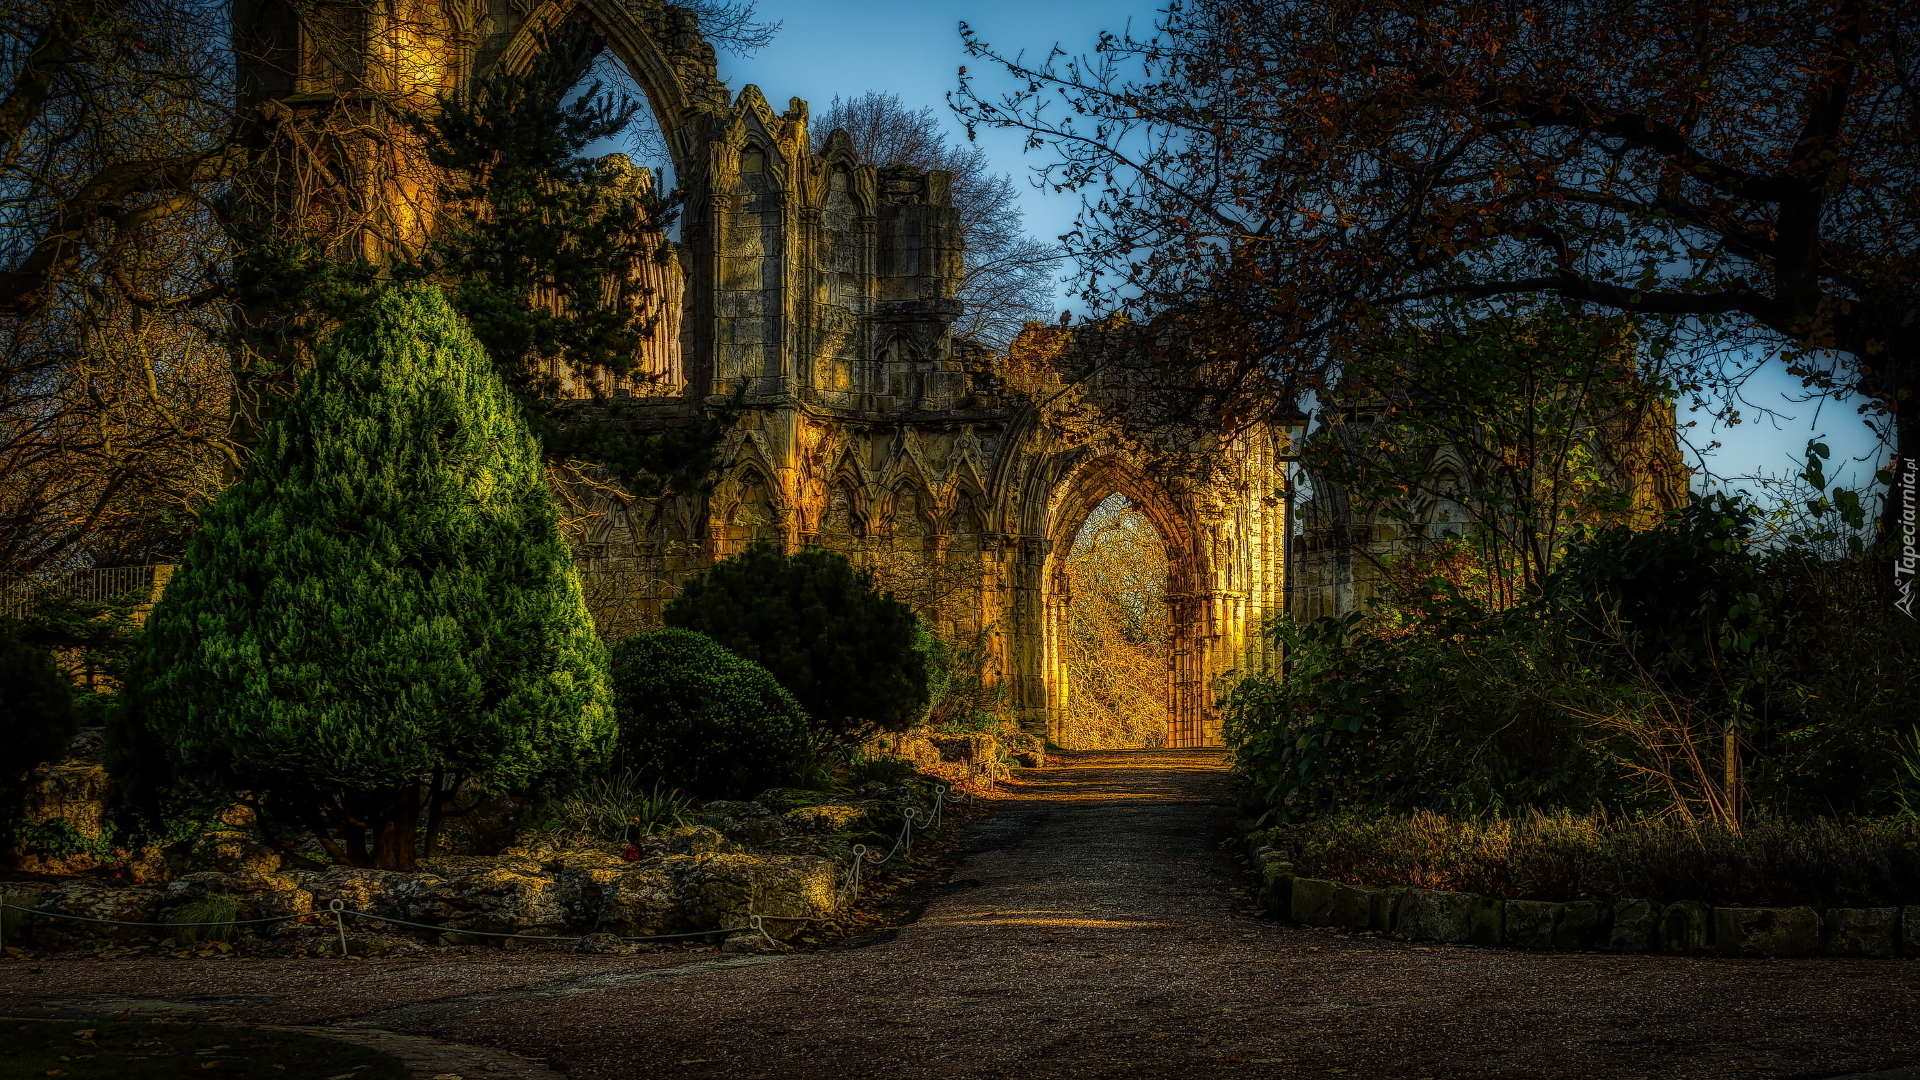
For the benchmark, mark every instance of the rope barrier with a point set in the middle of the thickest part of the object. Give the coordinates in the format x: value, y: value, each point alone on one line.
x: 755, y: 922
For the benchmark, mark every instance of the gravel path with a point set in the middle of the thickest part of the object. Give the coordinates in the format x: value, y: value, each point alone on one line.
x: 1094, y: 928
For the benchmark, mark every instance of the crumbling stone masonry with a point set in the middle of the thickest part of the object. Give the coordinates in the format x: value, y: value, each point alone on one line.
x: 821, y: 289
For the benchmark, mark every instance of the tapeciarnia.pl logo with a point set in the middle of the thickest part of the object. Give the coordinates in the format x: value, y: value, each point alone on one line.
x: 1903, y: 567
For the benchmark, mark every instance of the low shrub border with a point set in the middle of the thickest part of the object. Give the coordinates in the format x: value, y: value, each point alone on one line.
x: 1687, y: 927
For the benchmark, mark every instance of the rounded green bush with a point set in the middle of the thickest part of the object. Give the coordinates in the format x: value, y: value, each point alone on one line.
x: 696, y: 717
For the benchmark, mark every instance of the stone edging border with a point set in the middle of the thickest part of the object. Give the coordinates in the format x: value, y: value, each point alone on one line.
x: 1688, y: 927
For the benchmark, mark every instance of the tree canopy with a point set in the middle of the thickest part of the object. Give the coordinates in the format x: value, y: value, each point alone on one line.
x: 1283, y: 177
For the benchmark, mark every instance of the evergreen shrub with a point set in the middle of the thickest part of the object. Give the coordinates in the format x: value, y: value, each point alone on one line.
x: 698, y: 718
x: 849, y: 653
x: 382, y: 608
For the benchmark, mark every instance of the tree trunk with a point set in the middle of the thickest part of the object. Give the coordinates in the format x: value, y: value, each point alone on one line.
x: 394, y: 819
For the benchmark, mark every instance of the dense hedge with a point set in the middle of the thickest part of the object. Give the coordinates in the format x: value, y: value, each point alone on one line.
x: 694, y: 716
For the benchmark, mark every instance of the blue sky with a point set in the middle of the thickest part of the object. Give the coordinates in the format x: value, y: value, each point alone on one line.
x: 913, y: 50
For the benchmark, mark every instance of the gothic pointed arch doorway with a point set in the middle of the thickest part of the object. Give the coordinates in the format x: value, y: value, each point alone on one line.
x: 1165, y: 625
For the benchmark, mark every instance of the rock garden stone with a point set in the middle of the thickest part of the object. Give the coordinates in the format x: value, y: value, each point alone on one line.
x: 97, y: 900
x: 1384, y: 910
x: 1766, y: 931
x: 722, y: 891
x: 1910, y: 930
x: 1583, y: 925
x: 1861, y: 932
x: 1487, y: 925
x: 1029, y: 750
x: 583, y: 877
x: 230, y: 845
x: 1636, y: 927
x: 1276, y: 890
x: 645, y: 900
x: 70, y: 793
x: 449, y: 866
x: 1352, y: 907
x: 1312, y: 901
x: 358, y: 889
x: 1686, y: 927
x: 502, y: 900
x: 261, y: 896
x: 684, y: 840
x: 1434, y: 915
x: 743, y: 822
x: 605, y: 945
x: 818, y: 820
x: 1530, y: 923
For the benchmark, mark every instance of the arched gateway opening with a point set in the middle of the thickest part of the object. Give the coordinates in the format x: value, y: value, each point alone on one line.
x: 1115, y: 637
x: 1122, y: 648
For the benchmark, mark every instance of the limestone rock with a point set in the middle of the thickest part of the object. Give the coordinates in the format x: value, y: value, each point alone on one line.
x: 360, y: 890
x: 719, y: 891
x: 96, y: 900
x: 230, y: 844
x: 19, y: 895
x: 261, y: 896
x: 1312, y: 902
x: 456, y: 865
x: 1583, y: 925
x: 1530, y: 923
x: 583, y: 877
x: 684, y: 840
x: 502, y: 900
x: 1686, y: 927
x: 742, y: 822
x: 1487, y: 925
x: 1276, y: 890
x: 1766, y: 931
x: 1861, y: 932
x: 814, y: 820
x: 1351, y: 907
x: 645, y: 900
x: 1433, y: 915
x: 1384, y: 911
x: 604, y: 945
x: 1029, y: 750
x: 69, y: 793
x: 1636, y: 927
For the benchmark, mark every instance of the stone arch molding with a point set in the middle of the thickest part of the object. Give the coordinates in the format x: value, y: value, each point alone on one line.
x: 819, y: 298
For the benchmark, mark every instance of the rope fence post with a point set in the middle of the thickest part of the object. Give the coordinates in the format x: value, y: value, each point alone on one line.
x: 339, y: 909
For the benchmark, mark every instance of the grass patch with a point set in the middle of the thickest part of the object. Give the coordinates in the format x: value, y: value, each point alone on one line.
x: 1770, y: 862
x: 210, y: 918
x: 76, y: 1050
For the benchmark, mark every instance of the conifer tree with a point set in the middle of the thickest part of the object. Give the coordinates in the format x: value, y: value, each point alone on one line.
x: 382, y: 607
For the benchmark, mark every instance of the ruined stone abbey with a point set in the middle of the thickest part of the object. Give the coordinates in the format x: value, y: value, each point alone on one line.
x: 811, y: 296
x: 815, y: 292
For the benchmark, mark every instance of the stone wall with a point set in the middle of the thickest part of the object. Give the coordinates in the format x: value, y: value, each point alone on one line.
x: 1624, y: 926
x: 783, y: 857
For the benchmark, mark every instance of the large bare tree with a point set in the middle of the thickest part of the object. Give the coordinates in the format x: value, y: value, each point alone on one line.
x: 1291, y: 174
